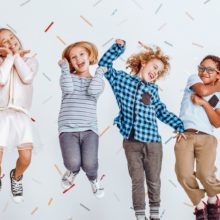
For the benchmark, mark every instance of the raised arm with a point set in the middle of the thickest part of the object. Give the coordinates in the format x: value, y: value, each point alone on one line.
x: 107, y: 60
x: 26, y: 69
x: 97, y: 84
x: 196, y: 84
x: 165, y: 116
x: 66, y: 81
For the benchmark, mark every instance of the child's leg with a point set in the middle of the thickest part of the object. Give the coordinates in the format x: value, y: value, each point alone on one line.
x: 89, y: 149
x: 152, y: 165
x: 205, y: 162
x: 70, y: 148
x: 134, y: 155
x: 23, y: 161
x: 185, y: 157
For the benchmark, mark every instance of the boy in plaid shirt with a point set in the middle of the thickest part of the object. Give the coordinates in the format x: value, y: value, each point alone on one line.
x: 140, y: 106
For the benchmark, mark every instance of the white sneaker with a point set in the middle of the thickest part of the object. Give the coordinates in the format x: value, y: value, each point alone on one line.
x: 68, y: 179
x: 96, y: 189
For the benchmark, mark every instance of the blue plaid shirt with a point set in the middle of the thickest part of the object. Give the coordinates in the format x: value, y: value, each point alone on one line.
x: 138, y: 101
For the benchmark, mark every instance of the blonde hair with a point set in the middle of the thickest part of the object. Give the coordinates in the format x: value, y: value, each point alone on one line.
x: 135, y: 61
x: 6, y: 29
x: 88, y: 46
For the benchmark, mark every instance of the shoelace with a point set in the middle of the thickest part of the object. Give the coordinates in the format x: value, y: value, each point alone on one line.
x: 17, y: 187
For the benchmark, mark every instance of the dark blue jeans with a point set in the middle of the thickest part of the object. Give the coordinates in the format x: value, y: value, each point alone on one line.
x: 80, y: 149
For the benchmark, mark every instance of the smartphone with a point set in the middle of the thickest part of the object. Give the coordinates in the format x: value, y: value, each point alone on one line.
x: 213, y: 101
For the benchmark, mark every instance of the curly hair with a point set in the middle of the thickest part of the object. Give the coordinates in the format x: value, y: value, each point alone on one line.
x: 88, y: 46
x: 214, y: 58
x: 135, y: 61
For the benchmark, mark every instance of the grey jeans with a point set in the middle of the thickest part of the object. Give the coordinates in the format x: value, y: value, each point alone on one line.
x: 80, y: 149
x: 144, y: 161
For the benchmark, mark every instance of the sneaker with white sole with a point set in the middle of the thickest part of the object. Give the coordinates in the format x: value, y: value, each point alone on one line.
x: 97, y: 189
x: 68, y: 179
x: 16, y: 188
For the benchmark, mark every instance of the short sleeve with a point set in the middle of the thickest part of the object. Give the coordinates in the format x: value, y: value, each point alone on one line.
x: 192, y: 80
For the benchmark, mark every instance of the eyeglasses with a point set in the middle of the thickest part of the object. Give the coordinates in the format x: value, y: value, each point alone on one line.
x: 209, y: 70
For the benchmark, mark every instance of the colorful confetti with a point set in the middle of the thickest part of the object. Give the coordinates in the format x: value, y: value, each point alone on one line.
x: 58, y: 170
x: 84, y: 207
x: 47, y: 77
x: 205, y: 2
x: 114, y: 12
x: 108, y: 42
x: 102, y: 177
x: 50, y: 25
x: 12, y: 28
x: 187, y: 204
x: 197, y: 45
x: 5, y: 207
x: 34, y: 211
x: 189, y: 15
x: 66, y: 190
x: 173, y: 183
x: 50, y: 201
x: 24, y: 3
x: 162, y: 26
x: 117, y: 198
x: 97, y: 3
x: 104, y: 131
x: 86, y: 20
x: 162, y: 214
x: 168, y: 43
x: 158, y: 9
x: 61, y: 40
x: 46, y: 100
x: 137, y: 4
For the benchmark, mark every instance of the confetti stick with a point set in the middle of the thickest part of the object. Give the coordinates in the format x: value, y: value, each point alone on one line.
x: 36, y: 181
x: 6, y: 207
x: 34, y: 210
x: 158, y: 9
x: 162, y: 213
x: 162, y: 26
x: 66, y: 190
x: 46, y: 100
x: 102, y: 177
x: 49, y: 26
x: 50, y: 201
x: 61, y: 40
x: 172, y: 183
x: 104, y: 131
x: 24, y: 3
x: 122, y: 22
x: 167, y: 141
x: 34, y: 55
x: 97, y: 3
x: 205, y: 2
x: 166, y: 42
x: 187, y: 204
x: 88, y: 22
x: 116, y: 197
x: 138, y: 5
x: 11, y: 28
x: 198, y: 45
x: 58, y: 170
x: 1, y: 177
x: 113, y: 13
x: 108, y: 41
x: 85, y: 207
x: 47, y: 77
x: 189, y: 15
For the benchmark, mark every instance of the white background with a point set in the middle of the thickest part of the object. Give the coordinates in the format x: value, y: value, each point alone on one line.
x: 180, y: 23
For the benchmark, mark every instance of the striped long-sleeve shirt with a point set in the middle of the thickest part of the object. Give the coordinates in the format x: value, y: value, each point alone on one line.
x: 79, y: 100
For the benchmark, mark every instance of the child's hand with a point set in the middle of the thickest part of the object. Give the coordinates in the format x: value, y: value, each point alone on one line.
x: 120, y: 42
x: 22, y: 53
x: 5, y: 51
x: 102, y: 69
x: 197, y: 100
x: 179, y: 136
x: 62, y: 61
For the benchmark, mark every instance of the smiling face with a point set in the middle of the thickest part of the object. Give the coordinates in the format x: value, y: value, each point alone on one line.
x: 208, y: 72
x: 10, y: 41
x: 151, y: 70
x: 79, y: 59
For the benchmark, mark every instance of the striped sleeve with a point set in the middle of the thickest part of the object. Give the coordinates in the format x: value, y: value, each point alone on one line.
x: 66, y: 81
x: 97, y: 84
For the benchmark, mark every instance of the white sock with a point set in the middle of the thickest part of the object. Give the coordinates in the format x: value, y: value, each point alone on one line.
x: 212, y: 200
x: 200, y: 205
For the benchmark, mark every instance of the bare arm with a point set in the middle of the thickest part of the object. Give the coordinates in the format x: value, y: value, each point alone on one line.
x: 205, y: 90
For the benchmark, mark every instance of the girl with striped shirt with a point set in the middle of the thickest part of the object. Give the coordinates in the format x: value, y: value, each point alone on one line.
x: 78, y: 132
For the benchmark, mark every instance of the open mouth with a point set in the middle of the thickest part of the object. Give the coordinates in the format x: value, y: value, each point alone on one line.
x: 80, y: 65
